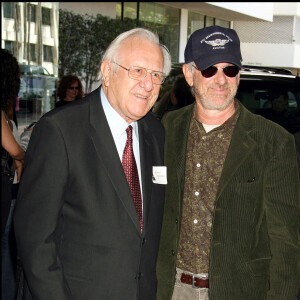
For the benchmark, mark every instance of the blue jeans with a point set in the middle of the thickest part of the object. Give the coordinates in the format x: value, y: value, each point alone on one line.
x: 9, y: 259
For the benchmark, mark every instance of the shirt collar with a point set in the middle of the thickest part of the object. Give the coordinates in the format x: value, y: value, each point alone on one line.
x: 116, y: 123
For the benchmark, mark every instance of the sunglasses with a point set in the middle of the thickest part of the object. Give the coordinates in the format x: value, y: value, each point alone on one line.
x: 229, y: 71
x: 73, y: 87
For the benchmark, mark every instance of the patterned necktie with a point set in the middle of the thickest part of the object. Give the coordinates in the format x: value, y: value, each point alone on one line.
x: 131, y: 172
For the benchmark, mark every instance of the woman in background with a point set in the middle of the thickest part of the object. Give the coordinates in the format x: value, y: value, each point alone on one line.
x: 12, y: 158
x: 69, y: 89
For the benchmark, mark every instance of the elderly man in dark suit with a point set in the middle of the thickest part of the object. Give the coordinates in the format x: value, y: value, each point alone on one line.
x: 231, y: 215
x: 89, y: 212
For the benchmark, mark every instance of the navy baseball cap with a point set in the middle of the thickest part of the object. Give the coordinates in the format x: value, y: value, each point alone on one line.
x: 212, y: 45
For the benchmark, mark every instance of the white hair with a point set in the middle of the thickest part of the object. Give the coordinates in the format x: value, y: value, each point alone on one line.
x: 190, y: 66
x: 192, y: 69
x: 112, y: 50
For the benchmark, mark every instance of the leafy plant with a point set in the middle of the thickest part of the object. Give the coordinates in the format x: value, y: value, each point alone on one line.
x: 83, y: 40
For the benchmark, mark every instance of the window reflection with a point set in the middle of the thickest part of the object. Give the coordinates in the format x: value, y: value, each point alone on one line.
x: 222, y: 23
x: 8, y: 10
x: 165, y: 21
x: 36, y: 97
x: 195, y: 22
x: 209, y: 21
x: 159, y: 18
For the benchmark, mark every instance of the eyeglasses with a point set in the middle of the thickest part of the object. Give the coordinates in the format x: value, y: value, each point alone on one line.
x: 73, y: 87
x: 229, y: 71
x: 139, y: 73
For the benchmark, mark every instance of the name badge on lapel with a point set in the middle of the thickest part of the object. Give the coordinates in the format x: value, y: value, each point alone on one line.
x: 159, y: 175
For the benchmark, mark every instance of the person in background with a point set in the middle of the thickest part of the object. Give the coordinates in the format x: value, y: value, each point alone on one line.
x: 12, y: 157
x: 231, y: 215
x: 276, y: 109
x: 25, y: 136
x: 69, y: 89
x: 90, y: 204
x: 179, y: 96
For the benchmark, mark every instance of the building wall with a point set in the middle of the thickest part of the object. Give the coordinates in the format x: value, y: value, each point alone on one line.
x: 271, y: 44
x: 265, y: 11
x: 286, y: 9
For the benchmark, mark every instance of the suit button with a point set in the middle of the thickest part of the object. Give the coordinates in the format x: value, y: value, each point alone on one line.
x: 143, y: 241
x: 173, y: 252
x: 176, y: 221
x: 139, y: 275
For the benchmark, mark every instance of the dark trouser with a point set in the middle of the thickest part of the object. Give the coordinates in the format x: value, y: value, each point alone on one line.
x: 9, y: 260
x: 6, y: 196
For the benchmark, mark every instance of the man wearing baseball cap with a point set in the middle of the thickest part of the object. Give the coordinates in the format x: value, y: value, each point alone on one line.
x: 231, y: 216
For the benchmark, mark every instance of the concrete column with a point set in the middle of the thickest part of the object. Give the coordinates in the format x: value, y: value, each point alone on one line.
x: 183, y: 33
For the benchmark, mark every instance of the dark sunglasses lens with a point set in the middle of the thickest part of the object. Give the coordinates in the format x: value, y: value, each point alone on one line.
x: 231, y: 71
x: 209, y: 72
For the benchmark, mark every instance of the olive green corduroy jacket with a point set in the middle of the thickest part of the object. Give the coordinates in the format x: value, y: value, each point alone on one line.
x: 255, y: 251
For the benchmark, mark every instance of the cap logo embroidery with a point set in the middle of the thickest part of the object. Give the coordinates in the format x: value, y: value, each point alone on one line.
x: 217, y: 43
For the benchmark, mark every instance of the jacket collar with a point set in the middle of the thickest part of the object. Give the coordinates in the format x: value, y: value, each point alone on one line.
x: 241, y: 145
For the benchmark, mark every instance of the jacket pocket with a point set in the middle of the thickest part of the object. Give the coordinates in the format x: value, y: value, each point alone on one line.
x: 76, y: 260
x: 260, y: 266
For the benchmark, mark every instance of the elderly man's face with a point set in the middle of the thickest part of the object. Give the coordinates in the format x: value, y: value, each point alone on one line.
x: 131, y: 98
x: 216, y: 92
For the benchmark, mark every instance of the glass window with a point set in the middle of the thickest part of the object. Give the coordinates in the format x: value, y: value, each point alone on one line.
x: 222, y: 23
x: 32, y: 52
x: 9, y: 45
x: 47, y: 52
x: 45, y: 16
x: 44, y: 71
x: 154, y: 13
x: 118, y: 10
x: 195, y: 22
x: 163, y: 20
x: 130, y: 10
x: 31, y: 9
x: 36, y: 96
x: 209, y: 21
x: 264, y: 97
x: 8, y: 9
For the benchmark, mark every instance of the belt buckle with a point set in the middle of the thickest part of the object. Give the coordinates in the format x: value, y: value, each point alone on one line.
x: 203, y: 276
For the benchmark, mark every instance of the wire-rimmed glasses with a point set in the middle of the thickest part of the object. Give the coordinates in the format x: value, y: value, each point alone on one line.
x: 139, y: 73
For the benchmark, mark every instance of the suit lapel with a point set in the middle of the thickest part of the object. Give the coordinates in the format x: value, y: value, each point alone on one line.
x: 108, y: 154
x: 146, y: 157
x: 240, y: 147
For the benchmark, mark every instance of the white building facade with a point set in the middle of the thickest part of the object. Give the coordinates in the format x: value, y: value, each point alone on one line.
x: 275, y: 43
x: 269, y: 31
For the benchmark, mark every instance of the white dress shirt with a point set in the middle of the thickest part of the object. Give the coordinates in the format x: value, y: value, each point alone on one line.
x: 118, y: 128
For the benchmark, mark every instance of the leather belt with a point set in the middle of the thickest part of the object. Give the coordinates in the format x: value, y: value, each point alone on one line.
x: 196, y: 280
